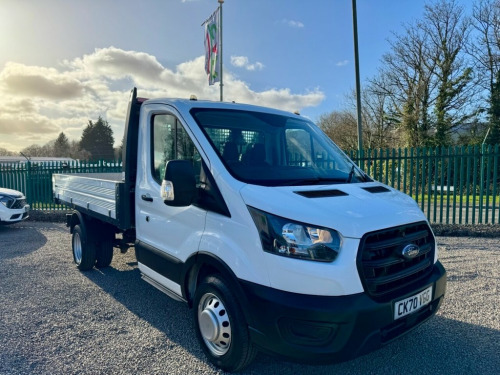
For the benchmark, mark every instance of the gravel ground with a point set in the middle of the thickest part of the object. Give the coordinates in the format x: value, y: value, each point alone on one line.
x: 57, y: 320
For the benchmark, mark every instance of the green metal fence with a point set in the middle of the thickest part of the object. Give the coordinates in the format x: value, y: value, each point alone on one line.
x: 456, y: 185
x: 34, y: 179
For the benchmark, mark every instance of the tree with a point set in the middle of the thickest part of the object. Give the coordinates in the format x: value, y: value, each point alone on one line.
x: 447, y: 28
x: 61, y: 146
x: 378, y: 126
x: 485, y: 50
x: 5, y: 152
x: 119, y: 150
x: 97, y: 139
x: 428, y: 77
x: 341, y: 127
x: 406, y: 81
x: 77, y: 153
x: 494, y: 113
x: 46, y: 150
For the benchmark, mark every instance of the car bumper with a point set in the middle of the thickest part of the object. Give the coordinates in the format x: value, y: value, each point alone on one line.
x: 11, y: 216
x: 321, y: 329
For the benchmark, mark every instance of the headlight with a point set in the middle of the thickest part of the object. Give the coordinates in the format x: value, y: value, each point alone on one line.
x: 7, y: 201
x: 292, y: 239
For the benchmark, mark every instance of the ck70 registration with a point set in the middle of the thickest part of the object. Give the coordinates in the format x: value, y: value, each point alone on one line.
x: 412, y: 304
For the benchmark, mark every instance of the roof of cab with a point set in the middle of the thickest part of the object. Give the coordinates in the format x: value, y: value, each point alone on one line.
x: 188, y: 104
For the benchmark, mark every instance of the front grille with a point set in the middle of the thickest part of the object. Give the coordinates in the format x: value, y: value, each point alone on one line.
x: 19, y: 203
x: 383, y: 269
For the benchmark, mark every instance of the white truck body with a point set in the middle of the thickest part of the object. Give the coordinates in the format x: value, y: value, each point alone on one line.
x: 325, y: 263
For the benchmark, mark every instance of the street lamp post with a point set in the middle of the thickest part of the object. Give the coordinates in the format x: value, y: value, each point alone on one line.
x: 358, y: 86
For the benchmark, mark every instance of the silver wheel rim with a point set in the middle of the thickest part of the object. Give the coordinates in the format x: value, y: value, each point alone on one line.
x: 77, y: 248
x: 214, y: 324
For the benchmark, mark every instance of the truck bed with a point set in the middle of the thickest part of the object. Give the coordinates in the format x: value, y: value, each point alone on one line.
x: 96, y: 194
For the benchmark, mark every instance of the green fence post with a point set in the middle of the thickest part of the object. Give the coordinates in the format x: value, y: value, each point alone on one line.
x: 495, y: 183
x: 487, y: 186
x: 29, y: 196
x: 481, y: 182
x: 424, y: 164
x: 474, y: 183
x: 448, y: 179
x: 405, y: 162
x: 431, y: 165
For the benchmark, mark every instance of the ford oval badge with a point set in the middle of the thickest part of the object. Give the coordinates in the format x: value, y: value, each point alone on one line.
x: 410, y: 251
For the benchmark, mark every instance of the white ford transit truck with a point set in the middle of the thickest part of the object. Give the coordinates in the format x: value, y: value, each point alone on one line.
x: 264, y: 227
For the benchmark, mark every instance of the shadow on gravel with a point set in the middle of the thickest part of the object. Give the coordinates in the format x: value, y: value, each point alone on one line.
x: 171, y: 317
x: 440, y: 345
x: 14, y: 239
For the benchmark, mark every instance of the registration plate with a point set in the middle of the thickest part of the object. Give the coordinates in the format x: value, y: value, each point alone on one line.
x: 412, y: 304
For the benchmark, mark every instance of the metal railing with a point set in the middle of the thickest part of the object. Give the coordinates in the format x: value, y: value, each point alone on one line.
x: 456, y: 185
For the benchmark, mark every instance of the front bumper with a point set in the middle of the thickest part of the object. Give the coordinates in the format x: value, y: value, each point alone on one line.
x: 321, y: 329
x: 11, y: 216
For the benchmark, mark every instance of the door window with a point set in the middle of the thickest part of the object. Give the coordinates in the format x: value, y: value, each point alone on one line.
x: 171, y: 142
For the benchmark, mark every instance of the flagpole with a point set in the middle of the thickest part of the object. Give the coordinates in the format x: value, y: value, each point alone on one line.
x: 220, y: 60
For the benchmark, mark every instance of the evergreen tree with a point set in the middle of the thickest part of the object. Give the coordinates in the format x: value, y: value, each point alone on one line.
x: 61, y: 146
x: 494, y: 134
x: 97, y: 139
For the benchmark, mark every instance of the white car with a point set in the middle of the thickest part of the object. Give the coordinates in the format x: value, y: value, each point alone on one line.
x: 13, y: 206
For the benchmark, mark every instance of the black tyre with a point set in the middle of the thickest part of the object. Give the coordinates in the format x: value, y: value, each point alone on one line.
x: 104, y: 252
x: 221, y: 327
x: 84, y: 251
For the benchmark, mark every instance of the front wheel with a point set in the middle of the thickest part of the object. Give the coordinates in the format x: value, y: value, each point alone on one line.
x: 84, y: 251
x: 221, y: 327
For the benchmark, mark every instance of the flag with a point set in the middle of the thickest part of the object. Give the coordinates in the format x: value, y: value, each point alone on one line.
x: 212, y: 54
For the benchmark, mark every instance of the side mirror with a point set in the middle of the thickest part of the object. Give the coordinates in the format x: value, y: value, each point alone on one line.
x: 178, y: 188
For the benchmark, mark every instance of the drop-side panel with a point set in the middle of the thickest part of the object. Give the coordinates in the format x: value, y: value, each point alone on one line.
x: 95, y: 192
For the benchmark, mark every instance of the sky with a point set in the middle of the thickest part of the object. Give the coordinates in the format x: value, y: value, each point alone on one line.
x: 65, y: 62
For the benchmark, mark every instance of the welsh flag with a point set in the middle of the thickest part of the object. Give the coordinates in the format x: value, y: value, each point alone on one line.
x: 212, y: 65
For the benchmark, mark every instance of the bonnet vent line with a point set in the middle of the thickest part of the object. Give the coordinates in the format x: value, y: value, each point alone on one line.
x: 321, y: 193
x: 376, y: 189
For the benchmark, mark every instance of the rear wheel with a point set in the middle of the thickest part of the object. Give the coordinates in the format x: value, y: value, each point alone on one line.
x: 84, y: 251
x: 104, y: 254
x: 221, y: 327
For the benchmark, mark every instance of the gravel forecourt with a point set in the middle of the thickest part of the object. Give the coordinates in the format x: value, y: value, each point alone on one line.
x: 55, y: 319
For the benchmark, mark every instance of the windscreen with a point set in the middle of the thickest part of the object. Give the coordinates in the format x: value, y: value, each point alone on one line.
x: 274, y: 150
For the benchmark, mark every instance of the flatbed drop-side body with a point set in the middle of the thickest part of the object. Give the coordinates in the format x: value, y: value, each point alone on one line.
x: 267, y: 230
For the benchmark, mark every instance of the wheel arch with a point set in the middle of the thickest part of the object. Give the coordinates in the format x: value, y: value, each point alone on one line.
x: 76, y: 218
x: 203, y: 264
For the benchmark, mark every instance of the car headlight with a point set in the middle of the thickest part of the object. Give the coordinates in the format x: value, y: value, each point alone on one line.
x: 292, y: 239
x: 7, y: 201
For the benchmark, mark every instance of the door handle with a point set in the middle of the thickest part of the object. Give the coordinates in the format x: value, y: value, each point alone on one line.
x: 146, y: 197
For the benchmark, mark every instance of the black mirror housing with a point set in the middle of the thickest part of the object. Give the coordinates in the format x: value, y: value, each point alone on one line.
x: 179, y: 185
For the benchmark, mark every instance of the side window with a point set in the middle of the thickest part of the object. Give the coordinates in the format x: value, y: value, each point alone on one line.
x: 171, y: 142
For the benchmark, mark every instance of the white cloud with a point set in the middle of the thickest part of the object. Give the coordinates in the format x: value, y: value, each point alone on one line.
x: 29, y: 81
x: 342, y: 63
x: 293, y: 23
x: 39, y: 102
x: 242, y: 62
